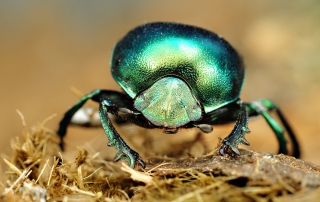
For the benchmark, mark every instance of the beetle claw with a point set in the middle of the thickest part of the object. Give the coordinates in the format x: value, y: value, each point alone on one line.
x: 130, y: 156
x: 235, y: 151
x: 244, y: 141
x: 230, y: 150
x: 141, y: 162
x: 221, y: 150
x: 117, y: 157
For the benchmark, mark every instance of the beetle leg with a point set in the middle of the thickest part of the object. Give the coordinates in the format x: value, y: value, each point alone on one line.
x: 69, y: 114
x: 236, y: 137
x: 118, y: 104
x: 110, y: 102
x: 262, y: 107
x: 123, y: 151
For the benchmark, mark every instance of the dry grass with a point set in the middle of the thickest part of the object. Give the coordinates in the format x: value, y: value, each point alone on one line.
x: 37, y: 171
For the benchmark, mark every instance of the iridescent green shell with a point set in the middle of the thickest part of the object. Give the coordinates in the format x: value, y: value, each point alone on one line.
x: 205, y: 61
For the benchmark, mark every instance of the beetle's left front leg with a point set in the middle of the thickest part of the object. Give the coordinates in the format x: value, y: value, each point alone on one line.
x: 123, y: 151
x: 236, y: 137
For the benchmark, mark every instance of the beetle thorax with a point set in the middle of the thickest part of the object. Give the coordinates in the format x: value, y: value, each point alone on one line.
x: 169, y: 103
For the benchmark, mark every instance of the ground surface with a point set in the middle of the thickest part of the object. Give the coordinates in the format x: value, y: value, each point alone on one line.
x: 38, y: 171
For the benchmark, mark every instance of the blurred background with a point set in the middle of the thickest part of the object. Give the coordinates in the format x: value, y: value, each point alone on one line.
x: 46, y: 47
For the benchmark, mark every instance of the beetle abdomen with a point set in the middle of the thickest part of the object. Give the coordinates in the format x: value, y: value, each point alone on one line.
x: 206, y: 62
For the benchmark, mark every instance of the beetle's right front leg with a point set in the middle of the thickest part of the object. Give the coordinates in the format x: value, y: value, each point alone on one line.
x: 123, y: 151
x: 236, y: 137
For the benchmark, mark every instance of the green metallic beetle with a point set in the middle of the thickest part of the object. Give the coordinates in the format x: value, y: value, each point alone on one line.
x: 178, y: 76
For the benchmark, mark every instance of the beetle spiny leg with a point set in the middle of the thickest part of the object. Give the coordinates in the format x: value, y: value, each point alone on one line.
x: 123, y: 151
x: 236, y: 137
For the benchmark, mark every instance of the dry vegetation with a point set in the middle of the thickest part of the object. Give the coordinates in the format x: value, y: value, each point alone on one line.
x: 37, y: 171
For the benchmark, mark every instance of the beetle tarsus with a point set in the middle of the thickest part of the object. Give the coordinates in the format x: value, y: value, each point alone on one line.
x: 130, y: 156
x: 227, y: 148
x: 222, y: 149
x: 117, y: 157
x: 141, y: 162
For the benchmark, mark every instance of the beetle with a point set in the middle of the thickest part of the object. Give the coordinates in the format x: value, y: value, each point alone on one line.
x: 178, y: 76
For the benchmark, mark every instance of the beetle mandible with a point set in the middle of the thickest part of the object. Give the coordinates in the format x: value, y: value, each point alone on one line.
x: 178, y: 76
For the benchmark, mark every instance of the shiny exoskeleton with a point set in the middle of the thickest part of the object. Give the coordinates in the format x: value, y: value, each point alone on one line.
x: 178, y: 76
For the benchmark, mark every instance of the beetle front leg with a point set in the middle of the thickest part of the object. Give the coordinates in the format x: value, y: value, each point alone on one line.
x: 123, y: 151
x: 236, y: 137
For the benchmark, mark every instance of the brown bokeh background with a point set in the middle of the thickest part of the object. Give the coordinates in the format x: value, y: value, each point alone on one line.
x: 46, y: 47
